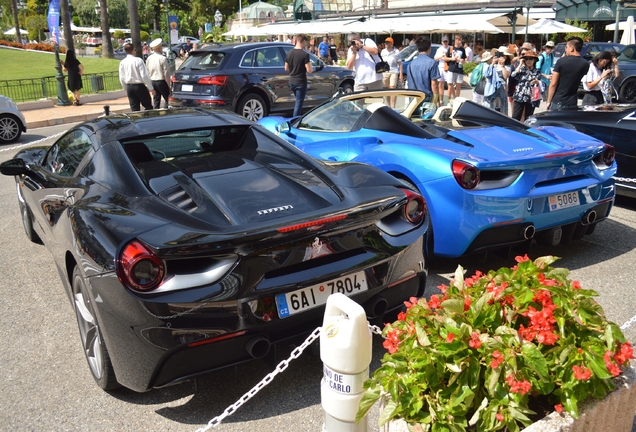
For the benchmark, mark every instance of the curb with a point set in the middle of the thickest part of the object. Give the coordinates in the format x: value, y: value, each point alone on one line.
x: 72, y: 119
x: 50, y: 103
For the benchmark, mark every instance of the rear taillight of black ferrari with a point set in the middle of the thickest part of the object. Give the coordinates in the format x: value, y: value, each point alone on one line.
x: 606, y: 158
x: 139, y: 268
x: 466, y: 175
x: 415, y: 208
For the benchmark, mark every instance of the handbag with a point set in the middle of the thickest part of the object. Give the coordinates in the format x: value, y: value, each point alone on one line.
x: 381, y: 66
x: 481, y: 87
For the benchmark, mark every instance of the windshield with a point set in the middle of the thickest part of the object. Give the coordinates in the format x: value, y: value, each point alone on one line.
x: 407, y: 53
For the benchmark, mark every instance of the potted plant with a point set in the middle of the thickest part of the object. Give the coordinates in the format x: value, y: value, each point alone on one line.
x: 492, y: 347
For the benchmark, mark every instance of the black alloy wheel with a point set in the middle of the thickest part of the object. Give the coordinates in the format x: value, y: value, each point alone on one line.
x: 91, y: 337
x: 627, y: 92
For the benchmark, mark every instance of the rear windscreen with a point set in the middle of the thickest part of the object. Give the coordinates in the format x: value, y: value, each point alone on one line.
x: 207, y: 60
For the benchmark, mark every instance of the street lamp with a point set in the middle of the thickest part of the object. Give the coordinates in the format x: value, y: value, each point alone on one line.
x: 528, y: 4
x: 218, y: 18
x: 169, y: 54
x: 618, y: 19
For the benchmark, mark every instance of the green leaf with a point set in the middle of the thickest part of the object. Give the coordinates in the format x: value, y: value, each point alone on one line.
x: 475, y: 418
x: 387, y: 413
x: 453, y: 367
x: 422, y: 337
x: 532, y: 357
x: 369, y: 398
x: 454, y: 305
x: 597, y: 365
x: 570, y: 405
x: 518, y: 415
x: 465, y: 393
x: 458, y: 279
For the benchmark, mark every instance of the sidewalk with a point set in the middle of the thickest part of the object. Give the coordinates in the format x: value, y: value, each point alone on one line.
x: 46, y: 113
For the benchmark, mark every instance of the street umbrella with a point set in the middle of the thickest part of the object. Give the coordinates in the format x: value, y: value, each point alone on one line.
x: 11, y: 32
x: 628, y: 33
x: 548, y: 26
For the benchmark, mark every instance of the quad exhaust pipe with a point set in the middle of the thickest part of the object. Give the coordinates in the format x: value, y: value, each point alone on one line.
x: 257, y: 347
x: 528, y: 232
x: 589, y: 217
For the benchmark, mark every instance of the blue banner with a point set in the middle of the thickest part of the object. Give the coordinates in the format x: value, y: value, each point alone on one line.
x: 174, y: 29
x: 53, y: 20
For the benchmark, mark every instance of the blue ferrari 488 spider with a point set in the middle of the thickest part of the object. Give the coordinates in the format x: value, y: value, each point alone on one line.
x: 488, y: 180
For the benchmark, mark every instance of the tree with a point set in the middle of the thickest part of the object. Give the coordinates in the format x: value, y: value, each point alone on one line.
x: 16, y: 21
x: 65, y: 20
x: 36, y: 25
x: 134, y: 26
x: 107, y: 44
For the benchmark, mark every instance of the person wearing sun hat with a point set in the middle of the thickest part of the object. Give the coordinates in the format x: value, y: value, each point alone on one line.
x: 527, y: 76
x: 157, y: 67
x: 497, y: 74
x: 391, y: 55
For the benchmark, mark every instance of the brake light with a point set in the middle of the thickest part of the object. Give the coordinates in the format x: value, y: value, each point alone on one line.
x: 466, y: 175
x: 219, y: 80
x: 608, y: 155
x: 312, y: 223
x: 415, y: 207
x: 139, y: 268
x: 209, y: 102
x: 173, y: 79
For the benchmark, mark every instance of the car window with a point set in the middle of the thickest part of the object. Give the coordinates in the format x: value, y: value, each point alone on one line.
x: 65, y: 155
x: 337, y: 116
x: 248, y: 59
x: 269, y: 57
x: 406, y: 53
x: 628, y: 53
x: 206, y: 60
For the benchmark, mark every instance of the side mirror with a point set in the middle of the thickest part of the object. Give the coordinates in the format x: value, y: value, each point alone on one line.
x: 283, y: 127
x: 13, y: 167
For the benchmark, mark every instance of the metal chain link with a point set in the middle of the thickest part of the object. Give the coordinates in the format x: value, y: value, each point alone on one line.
x: 624, y: 179
x: 628, y: 323
x: 270, y: 377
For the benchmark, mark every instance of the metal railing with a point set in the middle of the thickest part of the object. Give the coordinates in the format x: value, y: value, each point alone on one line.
x: 28, y: 90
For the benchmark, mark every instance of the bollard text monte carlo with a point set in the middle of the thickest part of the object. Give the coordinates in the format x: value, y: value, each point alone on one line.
x: 189, y: 240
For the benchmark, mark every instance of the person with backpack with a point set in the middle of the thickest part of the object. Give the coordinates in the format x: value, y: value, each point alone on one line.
x: 545, y: 65
x: 477, y: 80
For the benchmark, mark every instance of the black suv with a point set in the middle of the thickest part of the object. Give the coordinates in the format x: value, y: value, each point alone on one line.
x: 589, y: 49
x: 250, y: 79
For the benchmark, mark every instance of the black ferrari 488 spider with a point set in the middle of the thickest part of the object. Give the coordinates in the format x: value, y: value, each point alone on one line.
x: 189, y: 240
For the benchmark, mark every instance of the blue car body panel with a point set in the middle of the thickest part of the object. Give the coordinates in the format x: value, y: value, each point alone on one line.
x: 545, y: 163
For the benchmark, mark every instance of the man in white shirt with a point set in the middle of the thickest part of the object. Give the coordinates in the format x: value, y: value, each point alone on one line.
x: 157, y: 67
x: 391, y: 55
x: 439, y: 58
x: 469, y: 52
x: 361, y: 57
x: 135, y: 80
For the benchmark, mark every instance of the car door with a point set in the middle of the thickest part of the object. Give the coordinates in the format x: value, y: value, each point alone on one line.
x: 51, y: 185
x: 269, y: 70
x: 622, y: 140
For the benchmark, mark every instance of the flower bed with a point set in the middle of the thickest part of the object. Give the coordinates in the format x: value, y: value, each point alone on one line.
x: 472, y: 358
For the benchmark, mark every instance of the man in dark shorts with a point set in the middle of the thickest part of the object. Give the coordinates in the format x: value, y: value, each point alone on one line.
x: 333, y: 51
x: 567, y: 75
x: 298, y: 64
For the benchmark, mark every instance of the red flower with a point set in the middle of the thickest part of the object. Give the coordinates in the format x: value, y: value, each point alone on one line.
x: 497, y: 358
x: 475, y: 342
x: 522, y: 258
x: 467, y: 303
x: 450, y: 337
x: 392, y: 341
x: 401, y: 316
x: 558, y: 408
x: 521, y: 387
x: 499, y: 417
x: 624, y: 353
x: 434, y: 302
x: 442, y: 288
x: 412, y: 302
x: 576, y: 285
x: 581, y: 373
x: 611, y: 367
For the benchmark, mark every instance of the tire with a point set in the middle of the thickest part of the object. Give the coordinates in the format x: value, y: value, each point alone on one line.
x: 91, y: 336
x: 627, y: 92
x: 27, y: 218
x: 347, y: 88
x: 10, y: 128
x: 252, y: 107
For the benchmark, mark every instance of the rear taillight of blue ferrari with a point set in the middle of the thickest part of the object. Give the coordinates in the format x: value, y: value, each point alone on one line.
x: 466, y: 175
x: 139, y: 268
x: 606, y: 158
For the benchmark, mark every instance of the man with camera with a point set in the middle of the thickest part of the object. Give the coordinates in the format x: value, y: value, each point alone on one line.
x: 361, y: 58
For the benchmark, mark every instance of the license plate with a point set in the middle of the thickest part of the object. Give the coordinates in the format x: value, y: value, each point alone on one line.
x: 558, y: 202
x: 187, y: 87
x: 316, y: 295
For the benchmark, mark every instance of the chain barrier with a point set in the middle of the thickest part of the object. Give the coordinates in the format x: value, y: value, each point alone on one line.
x: 624, y: 180
x: 16, y: 147
x: 270, y: 377
x: 629, y: 323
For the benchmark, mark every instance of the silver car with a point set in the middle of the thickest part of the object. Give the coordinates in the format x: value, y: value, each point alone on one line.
x: 12, y: 122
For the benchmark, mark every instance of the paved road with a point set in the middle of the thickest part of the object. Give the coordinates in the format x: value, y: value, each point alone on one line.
x: 45, y: 383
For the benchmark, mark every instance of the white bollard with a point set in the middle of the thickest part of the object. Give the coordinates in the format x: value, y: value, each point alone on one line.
x: 345, y: 350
